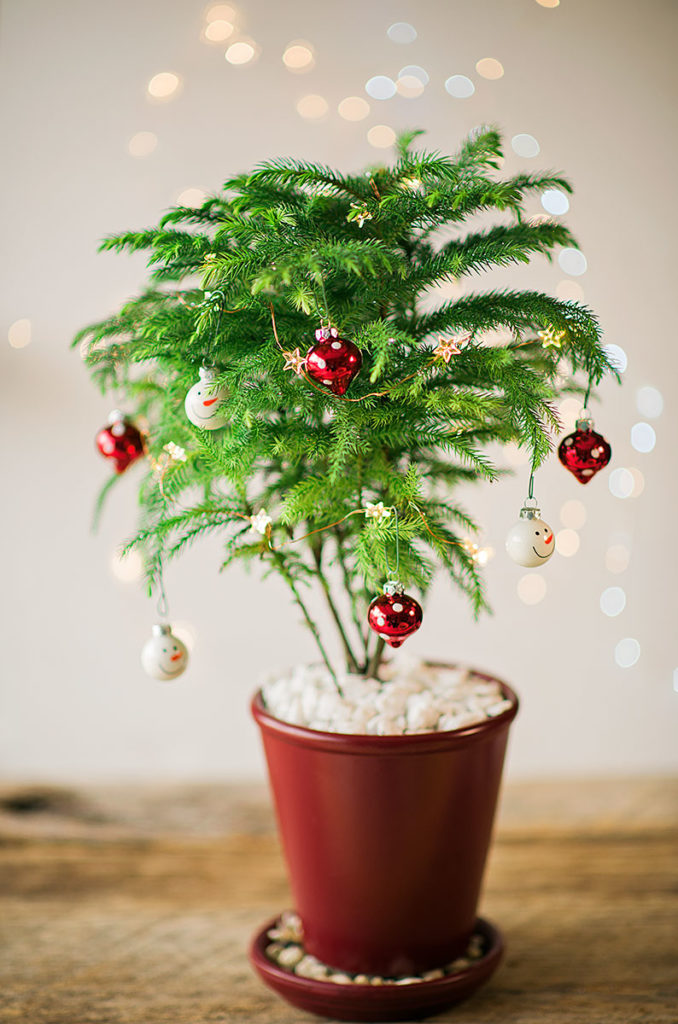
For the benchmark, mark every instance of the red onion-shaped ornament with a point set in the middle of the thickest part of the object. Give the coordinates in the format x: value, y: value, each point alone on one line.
x: 584, y: 452
x: 333, y: 361
x: 394, y: 615
x: 120, y: 441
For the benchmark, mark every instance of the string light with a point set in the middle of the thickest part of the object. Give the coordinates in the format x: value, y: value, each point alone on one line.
x: 525, y: 145
x: 617, y: 558
x: 617, y: 356
x: 163, y: 85
x: 567, y: 543
x: 415, y: 71
x: 570, y: 291
x: 460, y: 87
x: 312, y: 107
x: 298, y: 57
x: 142, y: 144
x: 191, y: 197
x: 380, y: 87
x: 490, y: 68
x: 627, y: 652
x: 612, y: 601
x: 573, y: 514
x: 19, y: 333
x: 353, y: 108
x: 643, y: 437
x: 409, y: 86
x: 572, y: 261
x: 241, y: 52
x: 555, y: 201
x: 128, y: 568
x: 531, y: 589
x: 381, y: 136
x: 221, y: 12
x: 649, y: 402
x: 402, y: 32
x: 218, y: 31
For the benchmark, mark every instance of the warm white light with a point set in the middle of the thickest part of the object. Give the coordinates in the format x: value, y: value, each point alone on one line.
x: 186, y: 632
x: 381, y: 136
x: 460, y: 87
x: 416, y: 72
x: 488, y: 67
x: 570, y: 291
x: 241, y: 52
x: 617, y: 356
x: 569, y: 410
x: 612, y: 601
x: 353, y: 108
x: 380, y: 87
x: 643, y: 437
x: 617, y: 558
x: 573, y: 514
x: 525, y: 145
x: 555, y: 201
x: 627, y: 652
x: 221, y: 12
x: 191, y: 197
x: 312, y: 107
x: 402, y: 32
x: 649, y: 402
x: 409, y: 86
x: 218, y: 31
x: 638, y: 482
x: 127, y: 569
x: 142, y: 144
x: 483, y: 556
x: 19, y: 333
x: 531, y: 589
x: 548, y: 3
x: 299, y: 57
x: 621, y: 483
x: 163, y: 85
x: 567, y: 543
x: 572, y: 261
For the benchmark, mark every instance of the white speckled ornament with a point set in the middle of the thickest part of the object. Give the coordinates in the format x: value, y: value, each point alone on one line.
x: 530, y: 541
x: 164, y: 656
x: 204, y: 403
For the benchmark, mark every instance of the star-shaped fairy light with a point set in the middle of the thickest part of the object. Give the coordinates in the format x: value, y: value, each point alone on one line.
x: 361, y: 214
x: 446, y: 348
x: 261, y: 522
x: 175, y: 452
x: 377, y: 511
x: 294, y: 361
x: 551, y: 337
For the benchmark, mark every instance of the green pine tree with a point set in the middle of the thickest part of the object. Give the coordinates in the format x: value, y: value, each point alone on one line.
x: 273, y: 255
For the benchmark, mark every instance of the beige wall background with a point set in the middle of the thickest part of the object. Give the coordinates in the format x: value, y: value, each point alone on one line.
x: 594, y: 82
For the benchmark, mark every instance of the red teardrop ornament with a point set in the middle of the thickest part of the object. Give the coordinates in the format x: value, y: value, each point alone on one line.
x: 584, y: 452
x: 333, y: 361
x: 120, y: 441
x: 394, y: 615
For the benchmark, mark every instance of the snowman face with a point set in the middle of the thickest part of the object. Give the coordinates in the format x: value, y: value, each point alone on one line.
x: 164, y: 656
x: 204, y: 403
x: 530, y: 542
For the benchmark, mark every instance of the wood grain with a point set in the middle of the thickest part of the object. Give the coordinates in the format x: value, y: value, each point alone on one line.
x: 145, y: 920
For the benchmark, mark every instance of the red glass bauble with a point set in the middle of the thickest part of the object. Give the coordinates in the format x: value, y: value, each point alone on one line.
x: 120, y: 441
x: 584, y: 452
x: 333, y: 361
x: 394, y: 615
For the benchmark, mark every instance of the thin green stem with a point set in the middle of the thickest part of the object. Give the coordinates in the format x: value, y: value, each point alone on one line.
x: 360, y: 627
x: 375, y: 660
x: 351, y: 660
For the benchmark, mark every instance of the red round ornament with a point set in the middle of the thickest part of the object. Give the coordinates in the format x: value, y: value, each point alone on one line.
x: 333, y: 361
x: 394, y: 615
x: 584, y: 452
x: 120, y: 441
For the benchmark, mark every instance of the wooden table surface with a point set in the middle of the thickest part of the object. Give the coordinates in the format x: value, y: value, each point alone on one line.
x: 136, y: 904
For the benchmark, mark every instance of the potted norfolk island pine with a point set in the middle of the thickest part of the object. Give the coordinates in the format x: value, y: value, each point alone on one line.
x: 292, y: 384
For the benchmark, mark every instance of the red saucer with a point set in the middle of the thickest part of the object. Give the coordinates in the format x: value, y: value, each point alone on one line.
x: 387, y: 1002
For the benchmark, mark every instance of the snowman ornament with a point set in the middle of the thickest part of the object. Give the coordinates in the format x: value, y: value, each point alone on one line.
x: 205, y: 402
x: 164, y: 656
x: 530, y: 541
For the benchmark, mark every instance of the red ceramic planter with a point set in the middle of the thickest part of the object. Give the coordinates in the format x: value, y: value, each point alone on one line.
x: 385, y: 837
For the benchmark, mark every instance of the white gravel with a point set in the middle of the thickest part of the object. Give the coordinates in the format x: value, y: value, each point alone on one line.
x: 412, y: 698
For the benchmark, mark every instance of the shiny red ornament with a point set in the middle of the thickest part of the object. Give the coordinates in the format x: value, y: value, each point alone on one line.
x: 584, y: 452
x: 120, y: 441
x: 394, y: 615
x: 333, y: 361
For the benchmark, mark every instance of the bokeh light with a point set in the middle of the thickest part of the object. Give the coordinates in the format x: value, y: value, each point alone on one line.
x: 163, y: 85
x: 643, y: 437
x: 298, y: 56
x: 612, y: 601
x: 617, y: 356
x: 567, y: 542
x: 570, y: 291
x: 525, y: 145
x: 548, y: 3
x: 241, y: 52
x: 460, y: 87
x: 186, y: 633
x: 416, y: 72
x: 627, y: 652
x: 191, y: 197
x: 127, y: 568
x: 381, y: 136
x: 142, y: 144
x: 572, y: 261
x: 380, y: 87
x: 402, y: 32
x: 620, y: 482
x: 573, y: 514
x: 221, y: 12
x: 555, y: 201
x: 531, y: 588
x: 312, y: 107
x: 19, y: 333
x: 617, y: 558
x: 218, y: 31
x: 649, y: 402
x: 354, y: 108
x: 569, y: 410
x: 490, y: 68
x: 409, y: 86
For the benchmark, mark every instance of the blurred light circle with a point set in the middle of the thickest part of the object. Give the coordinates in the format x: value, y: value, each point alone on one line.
x: 241, y: 52
x: 354, y: 108
x: 569, y: 410
x: 416, y: 72
x: 612, y: 601
x: 312, y: 106
x: 531, y: 589
x: 627, y: 652
x: 488, y: 67
x: 381, y: 136
x: 617, y: 356
x: 638, y: 482
x: 218, y: 31
x: 299, y: 57
x: 570, y: 291
x: 221, y: 12
x: 525, y: 145
x: 643, y: 437
x: 409, y: 87
x: 572, y: 261
x: 191, y: 197
x: 555, y: 201
x: 460, y: 87
x: 163, y: 85
x: 621, y: 483
x: 567, y: 543
x: 617, y: 558
x: 186, y: 632
x: 573, y: 514
x: 380, y: 87
x: 19, y: 333
x: 142, y: 144
x: 401, y: 32
x: 548, y: 3
x: 649, y: 402
x: 128, y: 568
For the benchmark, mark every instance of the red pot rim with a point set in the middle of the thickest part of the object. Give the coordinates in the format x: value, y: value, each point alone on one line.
x: 360, y: 743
